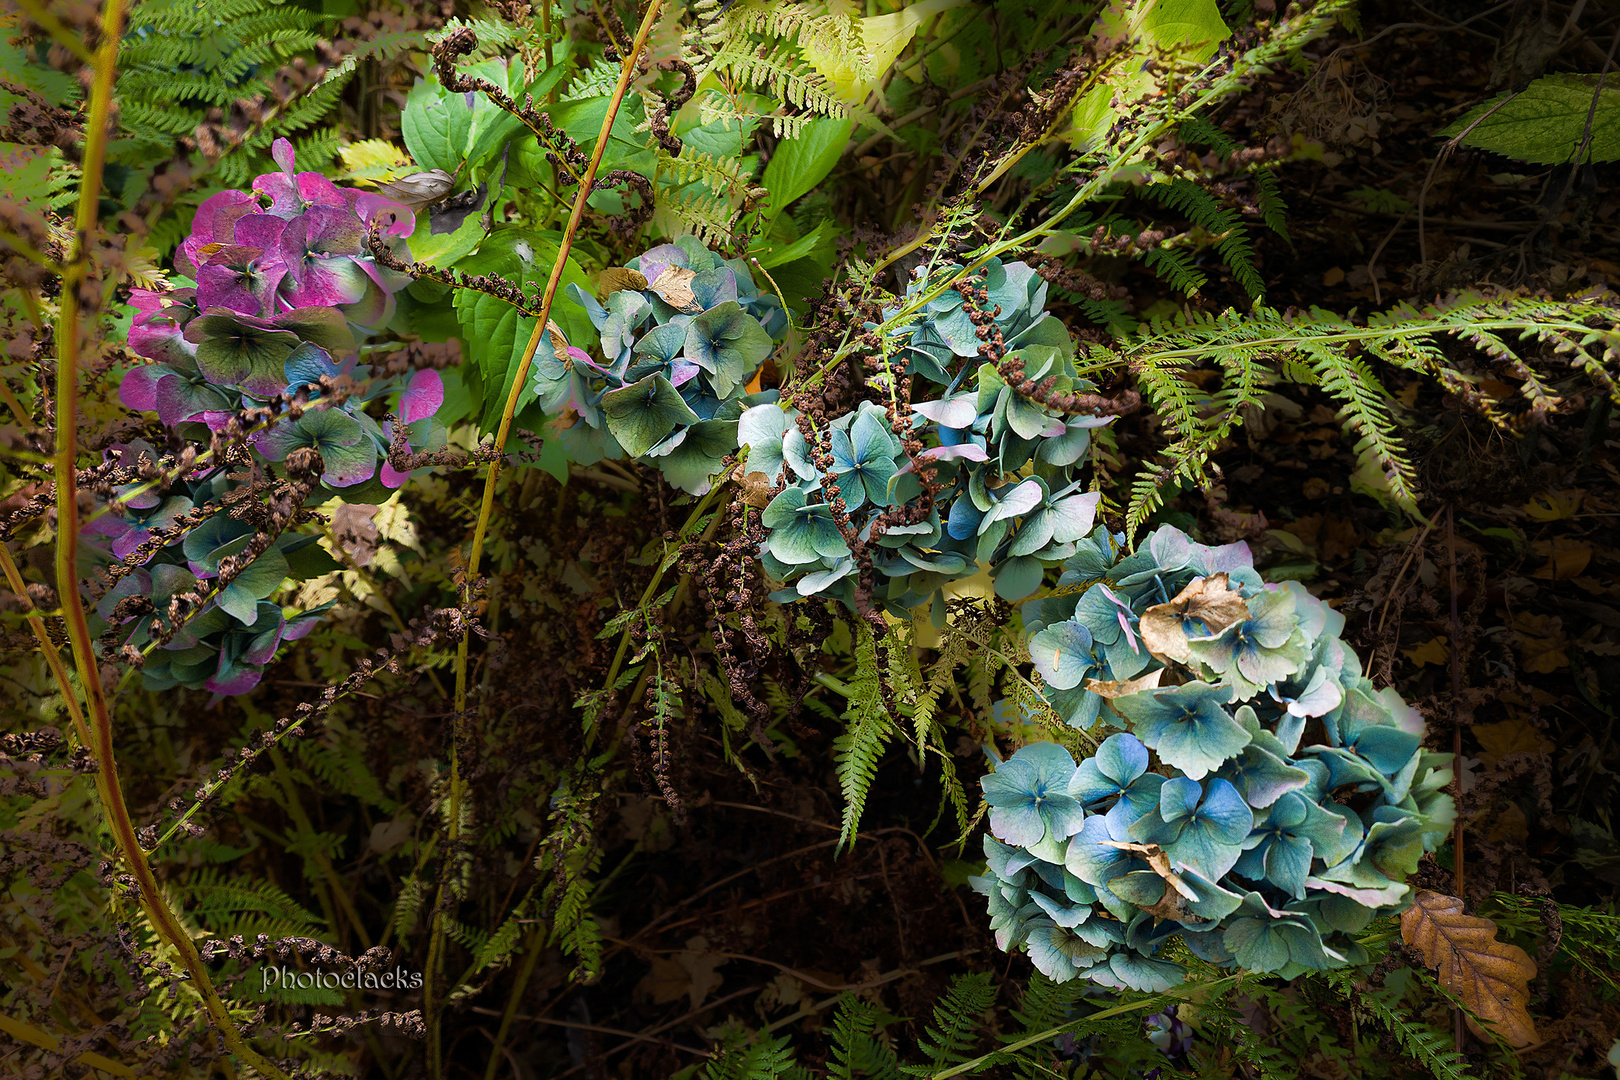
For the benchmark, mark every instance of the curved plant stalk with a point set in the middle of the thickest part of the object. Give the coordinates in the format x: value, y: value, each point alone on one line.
x: 475, y: 553
x: 981, y: 1062
x: 47, y: 647
x: 68, y: 336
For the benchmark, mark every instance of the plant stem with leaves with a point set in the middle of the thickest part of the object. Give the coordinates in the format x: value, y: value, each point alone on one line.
x: 77, y: 284
x: 627, y: 71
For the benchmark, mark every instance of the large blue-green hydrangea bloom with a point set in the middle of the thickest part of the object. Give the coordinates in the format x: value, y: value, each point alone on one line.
x: 680, y: 342
x: 1012, y: 498
x: 1262, y: 800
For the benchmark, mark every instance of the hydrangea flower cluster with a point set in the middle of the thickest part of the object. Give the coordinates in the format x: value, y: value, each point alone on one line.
x: 285, y: 288
x: 1263, y: 803
x: 1006, y: 460
x: 683, y: 332
x: 225, y: 647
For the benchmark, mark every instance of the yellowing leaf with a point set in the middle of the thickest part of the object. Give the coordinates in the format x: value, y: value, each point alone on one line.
x: 1434, y: 651
x: 1542, y: 641
x: 374, y: 159
x: 1491, y: 977
x: 1506, y: 737
x: 1565, y: 558
x: 1554, y: 505
x: 853, y: 76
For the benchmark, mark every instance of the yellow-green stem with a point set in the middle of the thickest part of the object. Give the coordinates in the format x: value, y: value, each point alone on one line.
x: 626, y: 72
x: 114, y: 809
x: 47, y: 647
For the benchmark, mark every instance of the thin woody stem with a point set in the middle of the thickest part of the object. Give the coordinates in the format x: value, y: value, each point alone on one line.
x: 475, y: 553
x: 75, y: 280
x: 47, y: 647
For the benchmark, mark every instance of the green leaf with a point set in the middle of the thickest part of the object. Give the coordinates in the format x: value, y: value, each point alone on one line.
x: 495, y: 332
x: 853, y: 77
x: 310, y: 561
x: 1172, y: 23
x: 643, y: 414
x: 493, y: 131
x: 1192, y: 28
x: 801, y: 163
x: 776, y: 253
x: 443, y: 248
x: 436, y: 126
x: 1545, y: 123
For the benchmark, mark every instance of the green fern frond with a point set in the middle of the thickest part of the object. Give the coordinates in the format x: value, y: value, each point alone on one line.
x: 1428, y: 1047
x: 227, y: 905
x: 856, y: 1049
x: 707, y: 216
x: 1223, y: 223
x: 954, y: 1033
x: 1322, y: 348
x: 867, y: 730
x: 1174, y: 266
x: 740, y: 1058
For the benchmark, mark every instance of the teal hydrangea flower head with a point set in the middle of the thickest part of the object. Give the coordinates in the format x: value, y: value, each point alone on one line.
x: 1262, y: 800
x: 682, y: 333
x: 1003, y: 450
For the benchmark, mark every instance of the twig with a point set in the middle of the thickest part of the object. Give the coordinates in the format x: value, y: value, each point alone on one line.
x: 47, y: 647
x: 626, y: 72
x: 114, y: 809
x: 1457, y: 1028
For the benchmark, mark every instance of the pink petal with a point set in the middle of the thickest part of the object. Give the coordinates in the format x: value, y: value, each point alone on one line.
x: 423, y: 397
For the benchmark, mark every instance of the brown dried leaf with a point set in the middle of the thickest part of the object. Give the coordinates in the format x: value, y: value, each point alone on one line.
x: 1210, y: 600
x: 1121, y: 687
x: 674, y: 284
x: 618, y: 278
x: 559, y: 343
x: 1174, y: 903
x: 756, y: 487
x: 1491, y: 977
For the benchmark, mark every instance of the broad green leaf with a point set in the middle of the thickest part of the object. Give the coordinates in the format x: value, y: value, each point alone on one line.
x: 1191, y: 28
x: 775, y: 252
x: 885, y: 37
x: 802, y: 162
x: 444, y: 248
x: 436, y: 126
x: 1545, y: 123
x: 495, y: 333
x: 494, y: 127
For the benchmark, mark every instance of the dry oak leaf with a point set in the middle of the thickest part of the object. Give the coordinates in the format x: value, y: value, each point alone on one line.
x: 1210, y: 600
x: 1491, y: 977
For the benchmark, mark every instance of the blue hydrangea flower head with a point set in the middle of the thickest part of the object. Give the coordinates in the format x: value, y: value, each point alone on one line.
x: 1211, y: 817
x: 1029, y: 796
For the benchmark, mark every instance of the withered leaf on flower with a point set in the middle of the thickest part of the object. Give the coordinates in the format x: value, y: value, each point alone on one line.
x: 756, y: 487
x: 1209, y: 600
x: 1114, y: 688
x: 674, y: 284
x: 418, y: 189
x: 617, y: 278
